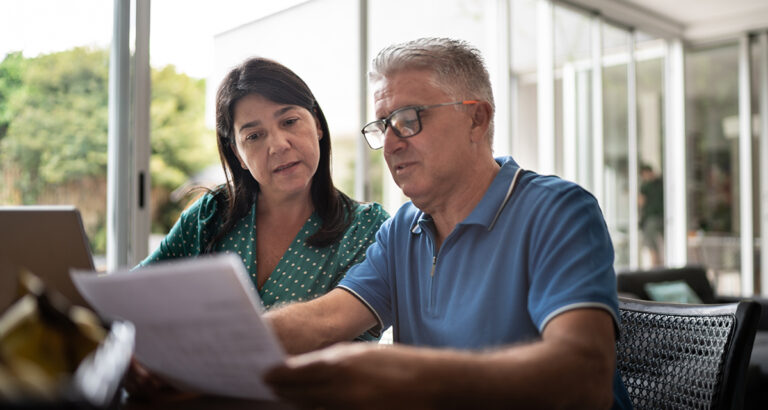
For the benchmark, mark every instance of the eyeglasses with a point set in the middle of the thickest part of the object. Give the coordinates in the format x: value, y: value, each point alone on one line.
x: 405, y: 122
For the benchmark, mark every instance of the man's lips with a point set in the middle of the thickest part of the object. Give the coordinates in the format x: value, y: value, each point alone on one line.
x: 403, y: 165
x: 285, y: 166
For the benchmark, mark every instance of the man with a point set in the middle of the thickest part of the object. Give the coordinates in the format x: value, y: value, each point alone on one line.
x: 651, y: 201
x: 498, y: 282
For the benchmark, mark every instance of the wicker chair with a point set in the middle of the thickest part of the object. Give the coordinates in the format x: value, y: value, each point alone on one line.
x: 676, y: 356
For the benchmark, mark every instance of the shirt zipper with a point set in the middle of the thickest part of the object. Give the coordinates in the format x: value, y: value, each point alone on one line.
x: 434, y: 262
x: 432, y: 286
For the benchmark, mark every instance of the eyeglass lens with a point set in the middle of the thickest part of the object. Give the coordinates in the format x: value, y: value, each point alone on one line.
x: 406, y: 122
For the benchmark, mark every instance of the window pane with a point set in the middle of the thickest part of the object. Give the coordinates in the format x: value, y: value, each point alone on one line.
x: 572, y: 95
x: 524, y: 82
x: 712, y: 128
x: 756, y: 165
x: 615, y: 141
x: 53, y: 107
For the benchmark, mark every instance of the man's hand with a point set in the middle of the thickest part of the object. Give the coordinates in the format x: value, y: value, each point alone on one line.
x: 350, y: 375
x: 143, y: 385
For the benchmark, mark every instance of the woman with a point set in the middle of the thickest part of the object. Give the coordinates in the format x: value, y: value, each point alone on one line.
x: 296, y: 233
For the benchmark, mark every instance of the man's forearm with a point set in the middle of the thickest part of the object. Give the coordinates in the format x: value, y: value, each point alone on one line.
x: 334, y: 317
x: 531, y: 376
x: 298, y: 329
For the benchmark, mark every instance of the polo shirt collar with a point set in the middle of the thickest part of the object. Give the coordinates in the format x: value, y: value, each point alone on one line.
x: 492, y: 203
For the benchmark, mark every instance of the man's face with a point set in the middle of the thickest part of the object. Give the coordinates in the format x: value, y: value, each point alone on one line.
x: 427, y: 166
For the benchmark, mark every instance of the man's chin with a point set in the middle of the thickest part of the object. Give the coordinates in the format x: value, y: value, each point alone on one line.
x: 413, y: 194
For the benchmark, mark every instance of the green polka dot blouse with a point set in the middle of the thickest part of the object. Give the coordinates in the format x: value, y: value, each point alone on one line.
x: 303, y: 273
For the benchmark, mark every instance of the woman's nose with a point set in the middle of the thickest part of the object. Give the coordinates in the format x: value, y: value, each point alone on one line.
x: 279, y: 141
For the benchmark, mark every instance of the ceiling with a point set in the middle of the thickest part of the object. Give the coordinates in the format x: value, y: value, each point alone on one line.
x: 703, y: 20
x: 694, y: 12
x: 694, y: 20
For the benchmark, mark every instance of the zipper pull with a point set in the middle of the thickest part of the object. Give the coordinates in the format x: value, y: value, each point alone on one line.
x: 434, y: 262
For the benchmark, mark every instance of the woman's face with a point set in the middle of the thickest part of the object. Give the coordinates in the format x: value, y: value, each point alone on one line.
x: 278, y: 144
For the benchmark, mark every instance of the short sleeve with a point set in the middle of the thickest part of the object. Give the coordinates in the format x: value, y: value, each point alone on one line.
x: 369, y: 281
x: 571, y: 257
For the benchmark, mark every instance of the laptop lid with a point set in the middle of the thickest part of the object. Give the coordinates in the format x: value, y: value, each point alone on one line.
x: 47, y: 241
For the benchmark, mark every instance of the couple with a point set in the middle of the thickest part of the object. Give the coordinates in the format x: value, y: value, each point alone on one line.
x: 498, y: 282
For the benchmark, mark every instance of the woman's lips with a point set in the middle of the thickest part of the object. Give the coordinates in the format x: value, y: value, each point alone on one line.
x: 284, y: 167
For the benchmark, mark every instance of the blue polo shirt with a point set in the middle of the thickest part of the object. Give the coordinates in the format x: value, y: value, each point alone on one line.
x: 534, y: 247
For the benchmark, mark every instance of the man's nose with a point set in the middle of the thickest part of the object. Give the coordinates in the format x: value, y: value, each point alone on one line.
x: 392, y: 142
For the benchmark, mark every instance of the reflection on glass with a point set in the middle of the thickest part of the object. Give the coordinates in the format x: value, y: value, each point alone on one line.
x: 712, y: 142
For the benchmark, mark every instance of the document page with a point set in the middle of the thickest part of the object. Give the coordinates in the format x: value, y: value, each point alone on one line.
x: 198, y: 322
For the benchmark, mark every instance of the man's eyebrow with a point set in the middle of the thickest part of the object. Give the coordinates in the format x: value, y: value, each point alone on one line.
x: 276, y: 114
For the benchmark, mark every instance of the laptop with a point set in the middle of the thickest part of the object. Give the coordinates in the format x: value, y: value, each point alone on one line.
x: 45, y: 240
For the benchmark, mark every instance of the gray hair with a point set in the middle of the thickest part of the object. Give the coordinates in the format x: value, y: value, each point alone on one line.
x: 458, y: 68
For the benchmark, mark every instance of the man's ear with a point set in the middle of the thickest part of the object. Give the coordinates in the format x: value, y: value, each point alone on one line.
x: 481, y: 119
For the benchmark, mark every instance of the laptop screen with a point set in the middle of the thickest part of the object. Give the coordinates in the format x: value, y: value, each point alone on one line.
x: 45, y: 240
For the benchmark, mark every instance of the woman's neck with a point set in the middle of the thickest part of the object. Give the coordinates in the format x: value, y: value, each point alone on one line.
x: 286, y: 209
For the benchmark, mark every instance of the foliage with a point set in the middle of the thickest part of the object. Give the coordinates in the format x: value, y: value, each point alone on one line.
x: 10, y: 82
x: 54, y: 126
x: 59, y: 120
x: 181, y: 144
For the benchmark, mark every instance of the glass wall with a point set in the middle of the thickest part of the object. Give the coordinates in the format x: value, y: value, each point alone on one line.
x: 758, y: 74
x: 576, y: 135
x: 53, y: 107
x: 616, y: 140
x: 712, y: 128
x: 573, y: 114
x: 524, y: 145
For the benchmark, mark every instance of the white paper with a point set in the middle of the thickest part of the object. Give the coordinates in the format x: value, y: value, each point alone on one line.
x: 198, y: 322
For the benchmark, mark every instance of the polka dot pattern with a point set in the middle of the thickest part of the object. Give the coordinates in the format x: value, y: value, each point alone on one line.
x: 304, y: 272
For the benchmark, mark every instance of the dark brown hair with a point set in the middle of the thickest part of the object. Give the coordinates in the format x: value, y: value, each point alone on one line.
x: 280, y: 85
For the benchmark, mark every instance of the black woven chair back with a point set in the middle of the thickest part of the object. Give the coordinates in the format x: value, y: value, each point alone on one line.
x: 677, y: 356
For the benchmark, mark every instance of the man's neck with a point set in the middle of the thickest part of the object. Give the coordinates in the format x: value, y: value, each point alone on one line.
x: 463, y: 200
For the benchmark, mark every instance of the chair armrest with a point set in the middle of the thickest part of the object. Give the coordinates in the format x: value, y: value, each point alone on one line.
x: 762, y: 324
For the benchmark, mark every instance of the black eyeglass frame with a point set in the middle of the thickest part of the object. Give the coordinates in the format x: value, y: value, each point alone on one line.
x: 387, y: 122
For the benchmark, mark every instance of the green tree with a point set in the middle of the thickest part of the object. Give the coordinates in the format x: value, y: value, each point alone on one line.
x: 59, y: 129
x: 54, y: 125
x: 181, y: 143
x: 10, y: 84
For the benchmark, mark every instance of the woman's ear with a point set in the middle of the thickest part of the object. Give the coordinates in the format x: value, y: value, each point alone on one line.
x: 319, y: 128
x: 233, y: 147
